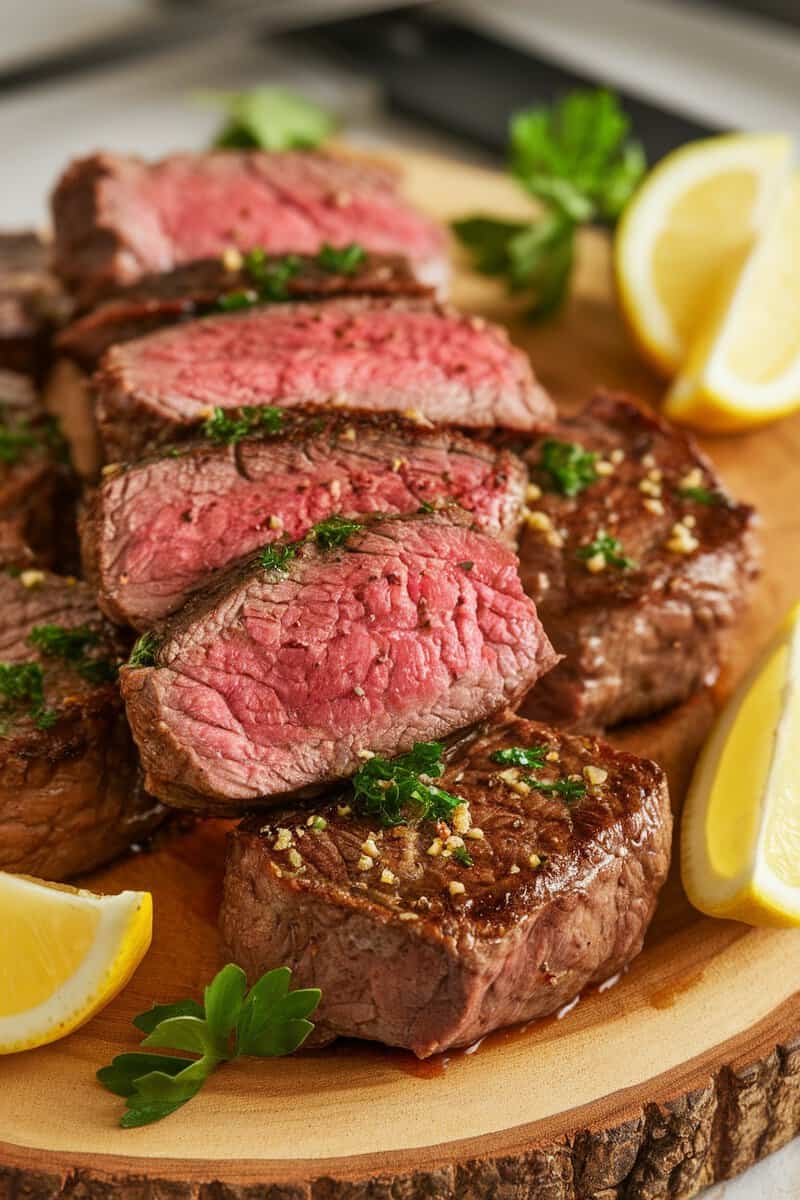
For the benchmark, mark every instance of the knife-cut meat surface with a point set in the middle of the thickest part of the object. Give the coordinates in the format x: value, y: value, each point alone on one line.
x: 31, y: 303
x: 426, y: 936
x: 401, y: 356
x: 639, y: 574
x: 155, y: 531
x: 299, y: 660
x: 71, y: 794
x: 118, y: 218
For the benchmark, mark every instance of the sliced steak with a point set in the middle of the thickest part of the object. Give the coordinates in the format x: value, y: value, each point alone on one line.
x: 36, y: 491
x: 31, y: 303
x: 413, y: 946
x: 71, y: 794
x: 278, y: 677
x: 119, y: 218
x: 637, y: 637
x: 208, y: 286
x: 370, y: 355
x: 157, y: 530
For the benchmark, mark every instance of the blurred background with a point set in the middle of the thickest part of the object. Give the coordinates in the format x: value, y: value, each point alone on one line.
x: 79, y: 74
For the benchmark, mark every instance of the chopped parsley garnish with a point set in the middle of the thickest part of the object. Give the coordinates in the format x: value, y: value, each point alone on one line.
x: 401, y: 789
x: 426, y: 507
x: 570, y: 468
x: 277, y: 556
x: 233, y: 301
x: 269, y: 1021
x: 611, y: 550
x: 569, y: 790
x: 144, y: 650
x: 270, y: 279
x: 22, y: 688
x: 521, y: 756
x: 701, y: 495
x: 228, y: 426
x: 462, y: 856
x: 343, y: 260
x: 333, y: 532
x: 71, y: 645
x: 15, y: 441
x: 270, y: 118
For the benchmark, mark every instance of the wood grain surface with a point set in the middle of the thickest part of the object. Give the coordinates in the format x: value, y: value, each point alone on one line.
x: 686, y: 1071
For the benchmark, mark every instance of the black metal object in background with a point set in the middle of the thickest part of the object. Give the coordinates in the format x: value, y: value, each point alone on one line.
x: 432, y: 68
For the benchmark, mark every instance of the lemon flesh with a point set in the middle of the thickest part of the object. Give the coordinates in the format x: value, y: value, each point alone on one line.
x: 697, y: 215
x: 744, y: 366
x: 64, y: 954
x: 740, y: 834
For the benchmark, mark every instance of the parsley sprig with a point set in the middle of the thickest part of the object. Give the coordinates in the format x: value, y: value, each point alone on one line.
x: 569, y: 790
x: 578, y: 160
x: 144, y: 650
x: 333, y: 532
x: 225, y: 427
x: 269, y: 1021
x: 568, y: 466
x: 22, y: 688
x: 344, y: 260
x: 611, y: 550
x: 402, y: 789
x: 270, y: 119
x: 71, y: 646
x: 520, y: 756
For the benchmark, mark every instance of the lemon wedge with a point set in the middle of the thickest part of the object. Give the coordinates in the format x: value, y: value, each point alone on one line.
x: 64, y: 953
x: 698, y: 213
x: 744, y: 367
x: 740, y: 832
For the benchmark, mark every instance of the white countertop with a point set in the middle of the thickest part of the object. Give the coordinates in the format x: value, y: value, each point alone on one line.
x: 145, y: 107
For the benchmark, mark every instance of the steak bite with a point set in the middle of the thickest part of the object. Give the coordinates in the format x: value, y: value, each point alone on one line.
x: 304, y: 656
x: 71, y: 794
x: 157, y: 530
x: 638, y: 561
x: 402, y: 356
x: 210, y: 286
x: 31, y: 303
x: 35, y: 484
x: 424, y: 935
x: 119, y: 218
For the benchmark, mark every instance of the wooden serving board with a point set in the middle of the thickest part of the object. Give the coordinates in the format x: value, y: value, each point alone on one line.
x: 686, y: 1071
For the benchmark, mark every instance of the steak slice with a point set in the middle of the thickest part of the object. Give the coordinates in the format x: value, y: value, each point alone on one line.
x: 640, y: 638
x: 36, y: 491
x: 200, y: 288
x: 414, y: 947
x: 278, y: 678
x: 71, y: 794
x: 368, y: 355
x: 119, y: 218
x: 157, y: 530
x: 31, y: 303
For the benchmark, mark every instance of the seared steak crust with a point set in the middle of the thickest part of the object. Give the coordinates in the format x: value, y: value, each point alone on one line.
x: 195, y: 290
x: 30, y: 303
x: 157, y: 530
x: 400, y: 958
x: 71, y: 795
x: 275, y: 680
x: 363, y: 355
x: 118, y: 218
x: 635, y: 640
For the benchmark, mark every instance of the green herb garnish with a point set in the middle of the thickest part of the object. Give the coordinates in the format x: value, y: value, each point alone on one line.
x: 144, y: 650
x: 270, y: 119
x: 462, y: 856
x: 228, y: 426
x: 521, y: 756
x: 611, y: 550
x: 71, y: 645
x: 269, y: 1021
x: 333, y: 532
x: 569, y: 790
x: 343, y: 260
x: 570, y: 468
x: 400, y: 789
x: 701, y: 495
x: 22, y: 687
x: 277, y: 556
x: 14, y: 443
x: 578, y: 160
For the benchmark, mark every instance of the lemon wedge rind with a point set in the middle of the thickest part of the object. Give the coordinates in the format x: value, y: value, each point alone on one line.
x: 114, y: 936
x: 764, y: 826
x: 678, y: 192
